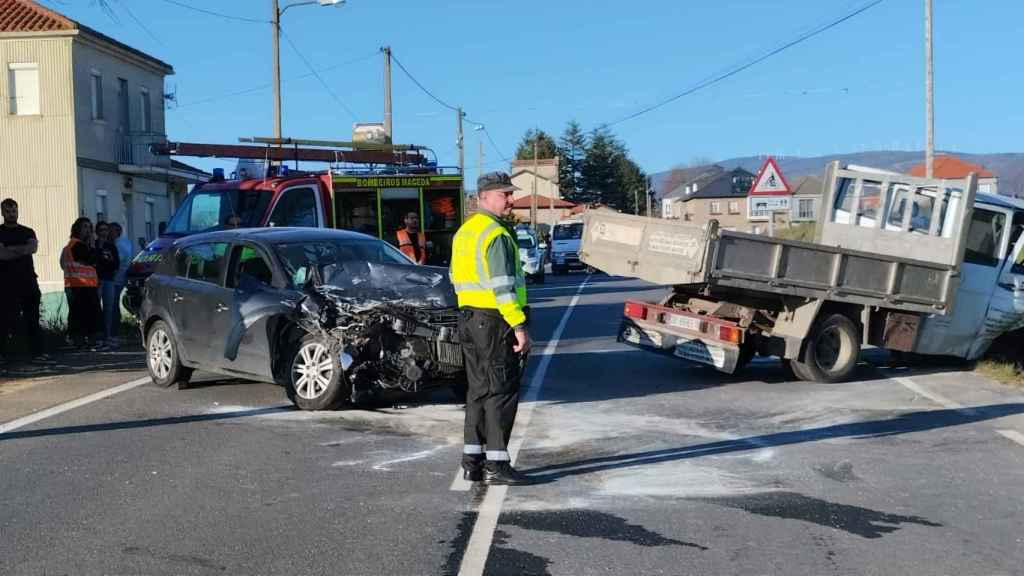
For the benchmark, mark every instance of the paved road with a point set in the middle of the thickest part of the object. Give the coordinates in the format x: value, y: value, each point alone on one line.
x: 646, y: 466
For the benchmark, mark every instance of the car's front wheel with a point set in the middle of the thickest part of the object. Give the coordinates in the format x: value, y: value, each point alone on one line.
x: 316, y: 380
x: 162, y: 358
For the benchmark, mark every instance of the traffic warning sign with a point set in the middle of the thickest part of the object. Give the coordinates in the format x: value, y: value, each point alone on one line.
x: 769, y: 181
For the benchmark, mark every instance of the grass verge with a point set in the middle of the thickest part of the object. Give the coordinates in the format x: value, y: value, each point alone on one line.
x: 1004, y: 361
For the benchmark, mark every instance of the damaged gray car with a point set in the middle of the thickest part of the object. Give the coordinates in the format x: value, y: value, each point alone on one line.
x: 334, y: 316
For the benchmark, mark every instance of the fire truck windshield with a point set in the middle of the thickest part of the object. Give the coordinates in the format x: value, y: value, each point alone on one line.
x: 217, y: 209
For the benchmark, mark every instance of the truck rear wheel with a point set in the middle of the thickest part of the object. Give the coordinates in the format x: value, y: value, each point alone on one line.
x: 831, y: 353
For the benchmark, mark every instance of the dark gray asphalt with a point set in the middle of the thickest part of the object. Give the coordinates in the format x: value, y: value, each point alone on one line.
x: 647, y: 466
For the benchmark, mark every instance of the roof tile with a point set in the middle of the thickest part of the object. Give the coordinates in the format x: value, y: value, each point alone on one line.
x: 28, y: 16
x: 946, y: 166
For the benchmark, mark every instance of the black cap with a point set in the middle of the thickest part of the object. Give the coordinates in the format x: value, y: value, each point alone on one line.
x: 494, y: 181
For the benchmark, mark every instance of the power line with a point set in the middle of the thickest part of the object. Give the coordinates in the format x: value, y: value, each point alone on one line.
x: 320, y: 78
x: 421, y: 86
x: 269, y: 85
x: 740, y: 68
x: 139, y: 22
x: 218, y: 14
x: 482, y: 126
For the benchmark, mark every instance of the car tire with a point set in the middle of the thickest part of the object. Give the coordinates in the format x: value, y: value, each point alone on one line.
x: 316, y: 380
x: 163, y: 360
x: 832, y: 351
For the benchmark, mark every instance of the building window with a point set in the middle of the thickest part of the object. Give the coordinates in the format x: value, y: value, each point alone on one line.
x: 734, y: 207
x: 716, y: 207
x: 144, y: 111
x: 23, y: 88
x: 101, y: 205
x: 97, y: 95
x: 151, y: 232
x: 805, y: 209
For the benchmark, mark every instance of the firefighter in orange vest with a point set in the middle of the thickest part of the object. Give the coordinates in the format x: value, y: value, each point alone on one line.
x: 411, y: 240
x: 81, y: 283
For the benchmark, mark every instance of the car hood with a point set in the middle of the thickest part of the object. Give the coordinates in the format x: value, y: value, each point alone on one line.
x: 413, y: 286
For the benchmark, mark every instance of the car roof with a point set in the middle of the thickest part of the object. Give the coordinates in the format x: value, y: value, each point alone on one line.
x: 273, y: 235
x: 1001, y: 201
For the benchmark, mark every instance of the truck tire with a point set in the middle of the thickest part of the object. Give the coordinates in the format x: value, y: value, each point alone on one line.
x: 163, y: 360
x: 316, y: 380
x: 831, y: 353
x: 539, y: 278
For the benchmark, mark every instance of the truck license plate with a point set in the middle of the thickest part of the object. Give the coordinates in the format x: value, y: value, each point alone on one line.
x: 684, y: 322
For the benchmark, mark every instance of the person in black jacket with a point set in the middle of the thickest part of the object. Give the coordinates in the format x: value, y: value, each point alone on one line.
x: 107, y: 263
x: 19, y: 287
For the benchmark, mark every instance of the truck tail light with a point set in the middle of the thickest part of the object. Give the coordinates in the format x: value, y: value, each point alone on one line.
x: 730, y: 334
x: 636, y: 310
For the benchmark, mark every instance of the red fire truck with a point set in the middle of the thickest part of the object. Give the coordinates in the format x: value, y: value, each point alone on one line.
x: 369, y: 190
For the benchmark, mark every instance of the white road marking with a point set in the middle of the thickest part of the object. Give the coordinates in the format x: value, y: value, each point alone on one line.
x: 933, y: 396
x: 479, y: 546
x: 1012, y: 435
x: 458, y: 483
x: 61, y: 408
x: 415, y: 456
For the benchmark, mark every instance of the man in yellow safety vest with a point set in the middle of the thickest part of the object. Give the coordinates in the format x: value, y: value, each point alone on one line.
x: 491, y: 289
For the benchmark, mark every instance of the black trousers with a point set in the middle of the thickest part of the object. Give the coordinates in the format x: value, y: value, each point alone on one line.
x: 84, y: 316
x: 494, y: 371
x: 19, y: 316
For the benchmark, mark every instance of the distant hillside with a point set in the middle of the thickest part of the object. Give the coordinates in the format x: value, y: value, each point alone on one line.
x: 1009, y: 167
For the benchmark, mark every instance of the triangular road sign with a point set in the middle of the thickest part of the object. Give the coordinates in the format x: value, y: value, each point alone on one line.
x: 769, y: 181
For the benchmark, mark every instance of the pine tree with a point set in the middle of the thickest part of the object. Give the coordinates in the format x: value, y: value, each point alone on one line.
x: 546, y: 147
x: 599, y: 167
x: 572, y: 149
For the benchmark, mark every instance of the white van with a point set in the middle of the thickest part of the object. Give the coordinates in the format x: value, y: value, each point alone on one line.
x: 565, y: 246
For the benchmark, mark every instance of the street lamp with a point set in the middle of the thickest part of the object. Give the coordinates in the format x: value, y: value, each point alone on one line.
x: 276, y: 22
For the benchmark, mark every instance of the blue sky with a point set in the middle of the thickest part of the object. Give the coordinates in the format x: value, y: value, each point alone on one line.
x: 532, y: 63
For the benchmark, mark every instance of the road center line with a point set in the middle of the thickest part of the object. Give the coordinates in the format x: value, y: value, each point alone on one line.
x: 67, y: 406
x: 479, y: 546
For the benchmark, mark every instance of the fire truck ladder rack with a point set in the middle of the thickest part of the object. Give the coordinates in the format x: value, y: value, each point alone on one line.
x: 334, y: 152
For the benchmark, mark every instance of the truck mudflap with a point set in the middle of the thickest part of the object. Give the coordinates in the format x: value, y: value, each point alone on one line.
x: 699, y: 338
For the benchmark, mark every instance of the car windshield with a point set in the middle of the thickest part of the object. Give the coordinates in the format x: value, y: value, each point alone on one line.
x: 211, y: 209
x: 568, y: 231
x: 331, y: 257
x: 525, y: 242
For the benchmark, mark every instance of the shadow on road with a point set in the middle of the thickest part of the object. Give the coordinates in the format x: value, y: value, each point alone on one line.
x: 145, y: 423
x: 904, y: 424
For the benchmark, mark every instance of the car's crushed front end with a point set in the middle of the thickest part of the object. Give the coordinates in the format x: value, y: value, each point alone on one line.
x: 393, y: 327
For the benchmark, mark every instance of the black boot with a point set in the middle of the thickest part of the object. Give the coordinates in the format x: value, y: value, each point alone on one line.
x: 500, y: 472
x: 473, y: 467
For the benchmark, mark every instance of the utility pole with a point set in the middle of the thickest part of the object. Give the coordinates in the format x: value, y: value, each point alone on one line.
x: 929, y: 154
x: 462, y: 161
x: 387, y: 91
x: 276, y: 22
x: 533, y: 199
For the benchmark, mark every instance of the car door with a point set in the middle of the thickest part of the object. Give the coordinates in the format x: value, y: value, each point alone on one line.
x: 203, y: 301
x: 258, y: 300
x: 1006, y: 308
x: 298, y: 206
x: 954, y: 333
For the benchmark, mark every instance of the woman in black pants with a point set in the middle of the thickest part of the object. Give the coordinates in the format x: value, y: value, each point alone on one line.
x: 81, y: 283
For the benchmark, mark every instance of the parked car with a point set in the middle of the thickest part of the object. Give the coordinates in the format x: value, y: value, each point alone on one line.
x: 531, y: 255
x: 334, y: 316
